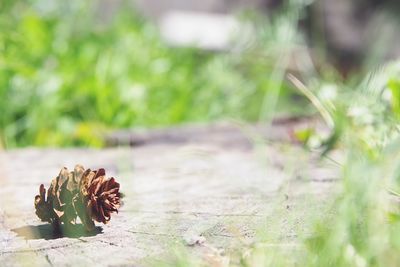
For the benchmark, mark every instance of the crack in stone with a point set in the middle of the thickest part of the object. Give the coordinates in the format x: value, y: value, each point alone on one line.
x: 196, y: 213
x: 38, y: 249
x: 48, y: 260
x: 109, y: 243
x: 147, y: 233
x: 178, y: 236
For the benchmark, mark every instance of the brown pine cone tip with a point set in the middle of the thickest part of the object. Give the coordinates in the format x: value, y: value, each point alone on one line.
x: 86, y: 194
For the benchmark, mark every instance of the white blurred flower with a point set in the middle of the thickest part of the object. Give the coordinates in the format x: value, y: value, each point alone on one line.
x: 387, y: 95
x: 328, y: 92
x: 352, y: 256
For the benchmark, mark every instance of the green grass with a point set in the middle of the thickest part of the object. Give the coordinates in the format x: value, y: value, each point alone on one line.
x: 361, y: 227
x: 67, y: 76
x: 360, y: 231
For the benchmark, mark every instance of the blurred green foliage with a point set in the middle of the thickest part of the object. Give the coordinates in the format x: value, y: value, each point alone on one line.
x: 360, y: 226
x: 394, y: 86
x: 68, y: 74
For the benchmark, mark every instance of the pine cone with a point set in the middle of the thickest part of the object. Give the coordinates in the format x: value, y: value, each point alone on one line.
x: 100, y: 195
x: 86, y: 194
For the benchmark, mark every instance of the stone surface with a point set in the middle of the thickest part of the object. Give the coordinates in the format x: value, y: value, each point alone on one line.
x: 210, y: 193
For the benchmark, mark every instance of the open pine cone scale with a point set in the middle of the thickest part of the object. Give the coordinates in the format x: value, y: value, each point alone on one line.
x: 86, y: 194
x: 43, y: 207
x: 104, y: 196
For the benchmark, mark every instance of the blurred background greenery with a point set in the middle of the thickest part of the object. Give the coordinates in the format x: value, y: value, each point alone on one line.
x: 68, y: 75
